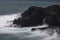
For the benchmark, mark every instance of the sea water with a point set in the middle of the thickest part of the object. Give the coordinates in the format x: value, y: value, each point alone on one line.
x: 15, y: 33
x: 9, y: 10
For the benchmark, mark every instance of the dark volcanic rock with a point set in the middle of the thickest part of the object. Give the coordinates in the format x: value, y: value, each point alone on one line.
x: 42, y: 28
x: 54, y: 10
x: 54, y: 18
x: 51, y: 20
x: 33, y: 29
x: 34, y: 16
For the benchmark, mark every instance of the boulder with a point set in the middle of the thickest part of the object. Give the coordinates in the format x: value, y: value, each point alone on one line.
x: 33, y: 29
x: 54, y: 18
x: 54, y: 10
x: 33, y: 16
x: 51, y: 20
x: 44, y: 28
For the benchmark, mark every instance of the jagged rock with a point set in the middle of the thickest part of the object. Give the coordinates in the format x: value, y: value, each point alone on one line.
x: 34, y: 16
x: 54, y: 10
x: 51, y: 20
x: 54, y: 18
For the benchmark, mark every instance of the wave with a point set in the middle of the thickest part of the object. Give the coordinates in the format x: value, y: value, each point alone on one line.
x: 14, y: 33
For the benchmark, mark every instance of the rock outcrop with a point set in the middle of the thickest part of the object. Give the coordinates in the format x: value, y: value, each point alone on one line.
x: 33, y: 29
x: 54, y: 18
x: 34, y: 16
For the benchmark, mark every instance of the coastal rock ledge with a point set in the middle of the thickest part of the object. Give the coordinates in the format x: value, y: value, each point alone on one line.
x: 35, y: 16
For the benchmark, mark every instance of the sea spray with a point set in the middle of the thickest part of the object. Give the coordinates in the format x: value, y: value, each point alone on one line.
x: 16, y: 33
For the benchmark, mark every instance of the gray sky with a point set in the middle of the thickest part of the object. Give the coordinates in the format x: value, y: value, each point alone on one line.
x: 13, y: 6
x: 26, y: 0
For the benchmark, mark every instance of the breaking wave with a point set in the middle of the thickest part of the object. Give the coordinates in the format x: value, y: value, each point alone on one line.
x: 15, y: 33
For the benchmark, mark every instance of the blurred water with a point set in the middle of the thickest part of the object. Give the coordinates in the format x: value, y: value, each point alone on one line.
x: 13, y: 33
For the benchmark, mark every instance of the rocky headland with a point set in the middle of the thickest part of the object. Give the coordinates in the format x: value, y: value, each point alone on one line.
x: 34, y: 16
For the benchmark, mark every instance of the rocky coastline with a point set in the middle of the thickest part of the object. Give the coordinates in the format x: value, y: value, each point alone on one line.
x: 34, y: 16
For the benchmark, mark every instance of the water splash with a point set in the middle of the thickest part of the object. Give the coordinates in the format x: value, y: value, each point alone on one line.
x: 23, y: 33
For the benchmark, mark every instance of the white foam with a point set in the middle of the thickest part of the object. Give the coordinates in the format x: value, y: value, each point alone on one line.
x: 39, y: 33
x: 5, y: 18
x: 51, y: 37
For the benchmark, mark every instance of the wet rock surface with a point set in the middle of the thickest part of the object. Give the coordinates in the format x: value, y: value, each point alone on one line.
x: 34, y: 16
x: 33, y: 29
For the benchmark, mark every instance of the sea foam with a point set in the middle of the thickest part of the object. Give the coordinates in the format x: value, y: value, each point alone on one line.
x: 23, y: 33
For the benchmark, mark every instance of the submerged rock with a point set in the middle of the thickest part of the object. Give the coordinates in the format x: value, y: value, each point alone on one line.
x: 44, y: 28
x: 33, y: 29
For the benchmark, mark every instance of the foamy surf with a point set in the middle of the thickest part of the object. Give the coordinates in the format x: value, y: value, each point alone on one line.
x: 5, y: 18
x: 10, y: 33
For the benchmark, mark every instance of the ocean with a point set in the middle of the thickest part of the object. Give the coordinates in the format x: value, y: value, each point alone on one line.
x: 9, y: 10
x: 16, y: 33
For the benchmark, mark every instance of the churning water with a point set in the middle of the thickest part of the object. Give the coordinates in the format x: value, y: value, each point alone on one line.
x: 13, y: 33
